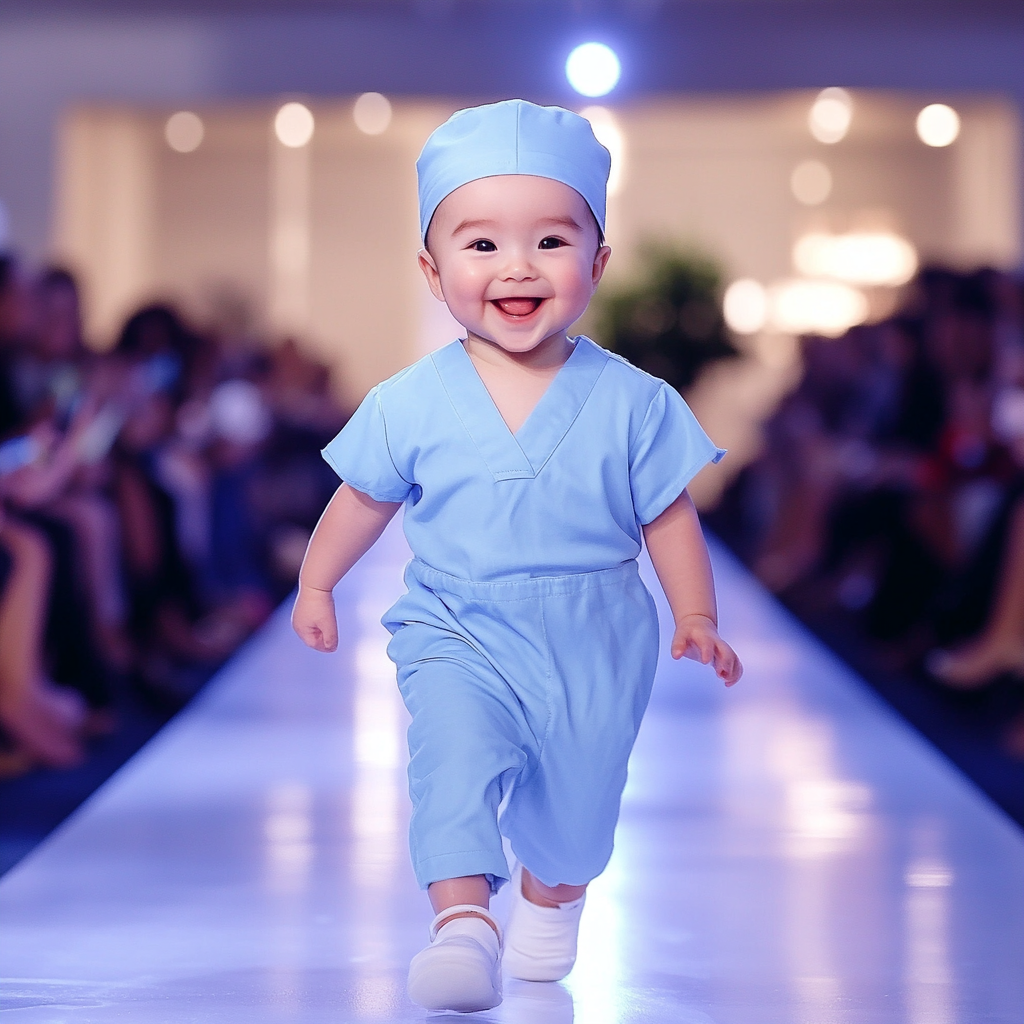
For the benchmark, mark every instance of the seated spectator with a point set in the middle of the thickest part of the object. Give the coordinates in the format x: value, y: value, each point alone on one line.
x: 42, y: 722
x: 993, y: 589
x: 891, y: 485
x: 77, y: 378
x: 154, y: 504
x: 168, y: 621
x: 998, y: 647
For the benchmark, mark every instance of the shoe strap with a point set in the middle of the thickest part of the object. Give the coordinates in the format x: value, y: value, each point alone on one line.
x: 465, y: 908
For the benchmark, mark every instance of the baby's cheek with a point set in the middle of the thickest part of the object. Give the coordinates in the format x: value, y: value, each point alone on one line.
x: 462, y: 296
x: 586, y: 278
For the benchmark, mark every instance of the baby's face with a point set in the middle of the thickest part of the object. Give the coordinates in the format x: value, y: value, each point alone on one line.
x: 515, y: 257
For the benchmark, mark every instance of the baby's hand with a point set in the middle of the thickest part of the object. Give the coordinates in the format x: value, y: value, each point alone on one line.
x: 314, y: 620
x: 696, y: 637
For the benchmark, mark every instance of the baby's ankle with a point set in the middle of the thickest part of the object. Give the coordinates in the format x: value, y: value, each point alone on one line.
x: 542, y: 895
x: 458, y: 915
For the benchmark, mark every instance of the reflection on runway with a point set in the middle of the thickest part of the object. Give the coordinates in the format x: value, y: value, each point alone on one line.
x: 789, y: 851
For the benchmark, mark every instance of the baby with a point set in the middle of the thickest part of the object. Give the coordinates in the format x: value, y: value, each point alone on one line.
x: 532, y: 466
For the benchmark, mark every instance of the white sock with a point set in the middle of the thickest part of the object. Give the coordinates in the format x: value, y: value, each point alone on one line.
x: 461, y: 968
x: 540, y: 942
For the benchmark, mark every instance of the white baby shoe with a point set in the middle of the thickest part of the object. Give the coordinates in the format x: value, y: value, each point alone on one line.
x: 540, y: 942
x: 461, y: 968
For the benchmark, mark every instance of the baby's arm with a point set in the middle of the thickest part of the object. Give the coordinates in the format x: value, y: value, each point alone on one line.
x: 350, y: 525
x: 677, y: 549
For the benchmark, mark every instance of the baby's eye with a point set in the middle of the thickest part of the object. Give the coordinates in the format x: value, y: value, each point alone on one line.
x: 483, y: 245
x: 551, y: 242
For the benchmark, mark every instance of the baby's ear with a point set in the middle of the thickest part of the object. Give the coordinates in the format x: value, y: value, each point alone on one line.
x: 601, y: 258
x: 429, y: 268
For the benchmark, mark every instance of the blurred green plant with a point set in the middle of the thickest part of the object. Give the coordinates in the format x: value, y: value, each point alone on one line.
x: 668, y: 321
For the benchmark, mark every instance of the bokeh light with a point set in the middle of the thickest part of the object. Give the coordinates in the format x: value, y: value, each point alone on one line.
x: 858, y: 257
x: 829, y: 308
x: 745, y: 306
x: 938, y: 125
x: 372, y: 113
x: 238, y: 412
x: 830, y: 115
x: 184, y: 131
x: 811, y: 182
x: 609, y: 134
x: 593, y: 69
x: 294, y: 125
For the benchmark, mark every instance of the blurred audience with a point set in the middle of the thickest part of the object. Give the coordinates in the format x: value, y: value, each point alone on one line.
x: 155, y: 501
x: 890, y: 490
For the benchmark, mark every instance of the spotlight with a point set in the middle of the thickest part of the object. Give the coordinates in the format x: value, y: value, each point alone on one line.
x: 593, y: 69
x: 293, y: 125
x: 184, y: 131
x: 938, y: 125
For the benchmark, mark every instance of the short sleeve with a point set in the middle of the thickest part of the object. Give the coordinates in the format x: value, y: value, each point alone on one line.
x: 668, y: 452
x: 361, y: 457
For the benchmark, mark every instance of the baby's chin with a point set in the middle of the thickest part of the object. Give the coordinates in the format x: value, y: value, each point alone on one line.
x: 514, y: 344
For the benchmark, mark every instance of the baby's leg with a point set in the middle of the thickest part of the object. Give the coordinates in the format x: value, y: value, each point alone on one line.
x: 460, y: 969
x: 542, y: 928
x: 561, y: 818
x: 468, y: 891
x: 466, y: 744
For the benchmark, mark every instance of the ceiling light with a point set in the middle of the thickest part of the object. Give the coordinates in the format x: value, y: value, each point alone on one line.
x: 184, y: 131
x: 293, y: 125
x: 938, y: 125
x: 830, y: 116
x: 811, y: 182
x: 372, y: 113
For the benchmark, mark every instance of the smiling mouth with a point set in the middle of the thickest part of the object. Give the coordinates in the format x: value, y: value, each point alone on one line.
x: 518, y: 306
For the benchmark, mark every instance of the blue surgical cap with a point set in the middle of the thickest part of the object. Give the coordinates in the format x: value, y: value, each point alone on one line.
x: 512, y: 137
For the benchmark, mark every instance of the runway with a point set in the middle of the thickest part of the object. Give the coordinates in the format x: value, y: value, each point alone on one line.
x: 789, y: 851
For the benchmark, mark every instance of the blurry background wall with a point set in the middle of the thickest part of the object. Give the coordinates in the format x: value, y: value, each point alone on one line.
x: 55, y: 52
x: 317, y: 241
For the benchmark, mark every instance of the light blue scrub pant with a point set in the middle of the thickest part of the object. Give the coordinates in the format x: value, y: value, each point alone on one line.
x: 532, y: 688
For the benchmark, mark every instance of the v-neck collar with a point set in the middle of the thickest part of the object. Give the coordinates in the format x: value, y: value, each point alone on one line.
x: 521, y: 455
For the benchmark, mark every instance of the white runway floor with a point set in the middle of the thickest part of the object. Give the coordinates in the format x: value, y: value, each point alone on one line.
x: 789, y: 851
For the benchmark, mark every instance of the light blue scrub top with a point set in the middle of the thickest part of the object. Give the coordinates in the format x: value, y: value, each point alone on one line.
x: 606, y: 450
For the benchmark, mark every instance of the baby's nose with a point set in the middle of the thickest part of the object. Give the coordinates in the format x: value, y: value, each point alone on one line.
x: 519, y: 268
